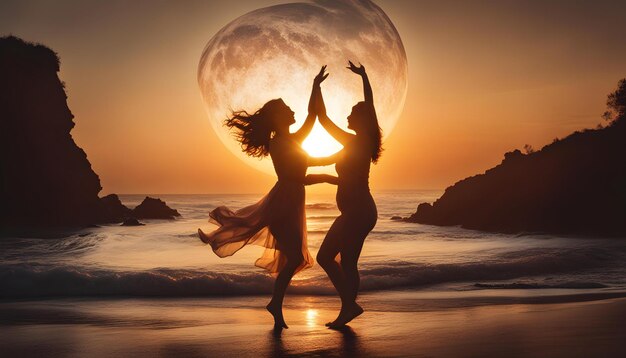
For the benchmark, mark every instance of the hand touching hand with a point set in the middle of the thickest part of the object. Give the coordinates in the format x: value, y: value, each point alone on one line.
x: 320, y: 107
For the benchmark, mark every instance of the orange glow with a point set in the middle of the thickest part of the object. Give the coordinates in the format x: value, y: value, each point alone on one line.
x: 485, y: 81
x: 320, y: 144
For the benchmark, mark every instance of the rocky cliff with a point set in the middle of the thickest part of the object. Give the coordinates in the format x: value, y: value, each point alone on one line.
x: 576, y: 185
x: 45, y: 178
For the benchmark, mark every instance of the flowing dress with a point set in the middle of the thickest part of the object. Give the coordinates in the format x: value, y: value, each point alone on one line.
x: 276, y: 222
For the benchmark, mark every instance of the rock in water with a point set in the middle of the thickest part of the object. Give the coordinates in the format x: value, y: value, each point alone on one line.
x: 424, y: 213
x: 154, y: 208
x: 115, y: 211
x: 45, y: 178
x: 132, y: 222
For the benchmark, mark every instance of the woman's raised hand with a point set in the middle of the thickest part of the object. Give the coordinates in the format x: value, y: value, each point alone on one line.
x: 316, y: 103
x: 358, y: 70
x: 321, y: 76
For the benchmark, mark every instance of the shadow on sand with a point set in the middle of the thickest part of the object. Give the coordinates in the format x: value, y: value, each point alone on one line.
x: 349, y: 345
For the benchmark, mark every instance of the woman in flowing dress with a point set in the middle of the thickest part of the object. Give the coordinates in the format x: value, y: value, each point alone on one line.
x: 341, y: 248
x: 278, y: 220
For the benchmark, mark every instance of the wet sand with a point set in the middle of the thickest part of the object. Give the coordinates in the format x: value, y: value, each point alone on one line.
x: 238, y: 326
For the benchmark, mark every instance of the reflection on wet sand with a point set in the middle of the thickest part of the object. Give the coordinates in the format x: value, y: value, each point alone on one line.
x: 342, y: 342
x: 235, y: 326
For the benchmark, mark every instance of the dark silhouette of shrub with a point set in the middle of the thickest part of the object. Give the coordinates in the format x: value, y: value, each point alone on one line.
x: 616, y: 103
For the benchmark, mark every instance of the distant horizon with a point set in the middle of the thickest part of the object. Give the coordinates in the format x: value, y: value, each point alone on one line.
x: 330, y: 191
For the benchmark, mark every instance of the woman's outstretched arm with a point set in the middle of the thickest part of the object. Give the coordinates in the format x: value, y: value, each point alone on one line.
x: 307, y: 126
x: 323, y: 161
x: 339, y: 134
x: 367, y: 87
x: 321, y: 178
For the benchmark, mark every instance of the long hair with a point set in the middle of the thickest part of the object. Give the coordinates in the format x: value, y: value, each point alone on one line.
x: 372, y: 128
x: 254, y: 131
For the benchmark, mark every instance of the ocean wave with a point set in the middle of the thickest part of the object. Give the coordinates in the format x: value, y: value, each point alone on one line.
x: 31, y: 281
x: 321, y: 206
x: 321, y: 216
x: 21, y: 281
x: 52, y: 249
x: 407, y: 232
x: 524, y: 263
x: 531, y: 285
x: 77, y: 243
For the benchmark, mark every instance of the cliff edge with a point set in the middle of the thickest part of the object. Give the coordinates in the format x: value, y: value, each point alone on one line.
x: 576, y: 185
x: 45, y: 178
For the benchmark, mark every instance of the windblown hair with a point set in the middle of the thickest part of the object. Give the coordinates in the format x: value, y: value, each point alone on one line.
x: 373, y: 129
x: 253, y: 131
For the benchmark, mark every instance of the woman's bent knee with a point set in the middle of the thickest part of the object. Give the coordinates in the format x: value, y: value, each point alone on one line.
x: 348, y: 264
x: 324, y: 259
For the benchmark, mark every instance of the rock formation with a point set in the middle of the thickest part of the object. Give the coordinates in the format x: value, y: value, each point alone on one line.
x: 114, y: 210
x: 132, y: 222
x: 152, y: 208
x: 45, y: 178
x: 576, y: 185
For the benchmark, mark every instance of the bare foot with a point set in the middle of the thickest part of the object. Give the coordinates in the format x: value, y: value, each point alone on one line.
x: 277, y: 313
x: 345, y: 316
x: 203, y: 236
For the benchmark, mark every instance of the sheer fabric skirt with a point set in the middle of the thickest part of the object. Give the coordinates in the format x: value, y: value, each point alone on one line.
x: 277, y: 222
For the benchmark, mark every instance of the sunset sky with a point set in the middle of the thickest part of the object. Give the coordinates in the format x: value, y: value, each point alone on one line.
x: 484, y: 78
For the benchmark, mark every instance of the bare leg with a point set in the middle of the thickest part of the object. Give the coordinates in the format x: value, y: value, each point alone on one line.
x: 349, y: 258
x: 326, y: 257
x: 351, y: 273
x: 275, y: 307
x: 294, y: 259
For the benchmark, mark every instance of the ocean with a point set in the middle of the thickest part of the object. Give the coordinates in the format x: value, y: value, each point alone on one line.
x: 166, y: 259
x: 157, y: 291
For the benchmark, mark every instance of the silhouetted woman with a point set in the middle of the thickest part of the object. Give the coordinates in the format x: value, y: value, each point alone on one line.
x: 278, y: 220
x: 358, y: 210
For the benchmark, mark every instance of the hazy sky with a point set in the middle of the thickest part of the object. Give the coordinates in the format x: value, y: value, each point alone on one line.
x: 484, y: 78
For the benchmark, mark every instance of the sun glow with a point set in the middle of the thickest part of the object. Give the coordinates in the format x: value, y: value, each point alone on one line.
x: 319, y: 143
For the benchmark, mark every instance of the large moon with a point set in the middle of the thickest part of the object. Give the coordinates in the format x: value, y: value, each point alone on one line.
x: 275, y: 52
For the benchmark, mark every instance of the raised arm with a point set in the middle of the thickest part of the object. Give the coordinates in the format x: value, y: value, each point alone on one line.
x: 339, y: 134
x: 367, y: 87
x: 307, y: 126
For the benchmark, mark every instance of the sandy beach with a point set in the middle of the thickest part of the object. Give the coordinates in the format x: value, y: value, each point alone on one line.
x: 394, y: 325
